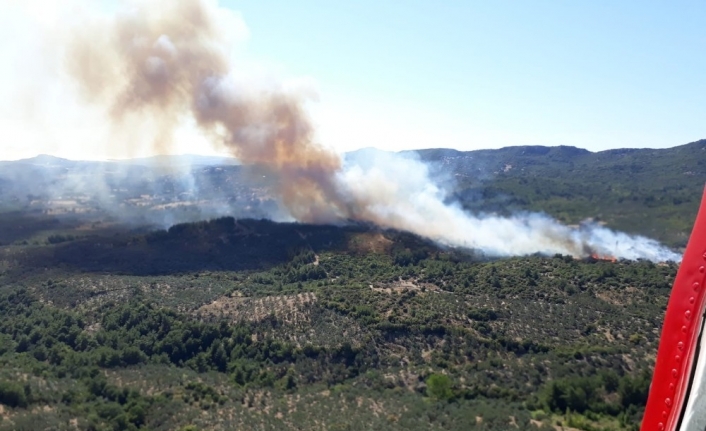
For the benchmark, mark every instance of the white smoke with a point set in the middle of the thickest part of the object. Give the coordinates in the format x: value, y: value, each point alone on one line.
x: 164, y: 64
x: 607, y: 242
x: 402, y: 196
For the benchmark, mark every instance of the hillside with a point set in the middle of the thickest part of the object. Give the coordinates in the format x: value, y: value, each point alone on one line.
x: 641, y: 191
x: 117, y: 317
x: 247, y: 324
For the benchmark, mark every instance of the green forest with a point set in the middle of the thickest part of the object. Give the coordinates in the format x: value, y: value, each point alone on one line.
x: 651, y: 192
x: 250, y: 324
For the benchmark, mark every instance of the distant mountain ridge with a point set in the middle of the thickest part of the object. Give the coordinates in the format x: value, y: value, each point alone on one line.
x: 427, y: 154
x: 176, y: 160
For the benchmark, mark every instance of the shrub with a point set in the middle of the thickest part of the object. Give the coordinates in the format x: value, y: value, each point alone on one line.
x: 439, y: 387
x: 12, y: 394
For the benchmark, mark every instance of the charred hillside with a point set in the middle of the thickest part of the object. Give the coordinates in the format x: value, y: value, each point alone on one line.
x: 223, y: 244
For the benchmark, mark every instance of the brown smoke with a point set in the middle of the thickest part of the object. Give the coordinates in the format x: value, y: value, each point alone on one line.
x: 164, y: 63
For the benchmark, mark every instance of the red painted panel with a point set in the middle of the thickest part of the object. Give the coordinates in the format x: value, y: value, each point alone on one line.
x: 679, y: 337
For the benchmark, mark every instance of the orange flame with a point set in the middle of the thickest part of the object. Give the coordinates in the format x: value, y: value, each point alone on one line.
x: 605, y: 258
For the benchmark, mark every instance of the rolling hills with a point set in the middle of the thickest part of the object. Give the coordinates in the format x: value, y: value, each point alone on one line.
x: 116, y: 317
x: 650, y: 192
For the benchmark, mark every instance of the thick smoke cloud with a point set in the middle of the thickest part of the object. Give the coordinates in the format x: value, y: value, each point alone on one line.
x: 163, y: 63
x: 398, y: 193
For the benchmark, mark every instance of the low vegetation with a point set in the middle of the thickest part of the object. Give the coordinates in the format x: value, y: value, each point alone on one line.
x: 255, y: 325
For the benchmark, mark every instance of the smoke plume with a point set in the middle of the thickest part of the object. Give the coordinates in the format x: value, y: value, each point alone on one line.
x: 164, y: 62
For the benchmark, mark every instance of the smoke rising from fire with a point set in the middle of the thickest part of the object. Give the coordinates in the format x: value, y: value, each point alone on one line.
x: 399, y: 193
x: 163, y: 63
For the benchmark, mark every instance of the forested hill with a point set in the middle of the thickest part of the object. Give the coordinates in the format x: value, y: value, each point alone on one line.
x: 250, y: 324
x: 653, y: 192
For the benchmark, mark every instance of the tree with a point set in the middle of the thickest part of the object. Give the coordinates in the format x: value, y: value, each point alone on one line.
x: 633, y: 391
x: 12, y: 394
x: 439, y: 387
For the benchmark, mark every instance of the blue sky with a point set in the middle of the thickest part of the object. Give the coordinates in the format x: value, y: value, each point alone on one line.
x: 481, y: 74
x: 417, y: 74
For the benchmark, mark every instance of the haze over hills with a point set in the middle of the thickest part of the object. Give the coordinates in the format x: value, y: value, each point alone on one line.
x: 649, y: 192
x: 176, y: 160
